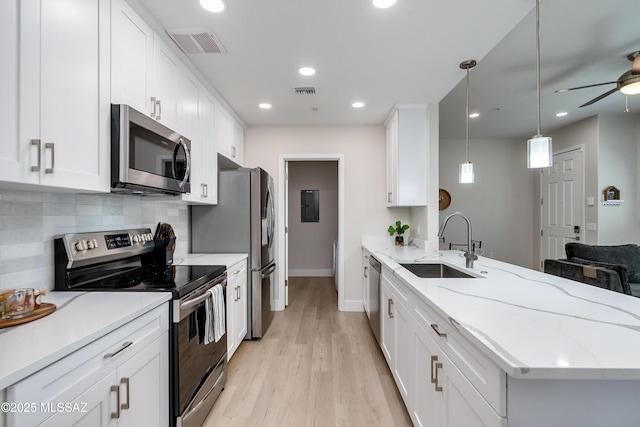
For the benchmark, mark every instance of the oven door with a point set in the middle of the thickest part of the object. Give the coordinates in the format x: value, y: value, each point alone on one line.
x: 198, y: 369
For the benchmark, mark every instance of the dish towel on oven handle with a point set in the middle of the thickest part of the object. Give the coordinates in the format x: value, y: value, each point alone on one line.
x: 215, y: 311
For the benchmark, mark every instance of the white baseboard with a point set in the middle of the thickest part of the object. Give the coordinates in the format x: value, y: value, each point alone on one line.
x: 352, y: 305
x: 327, y: 272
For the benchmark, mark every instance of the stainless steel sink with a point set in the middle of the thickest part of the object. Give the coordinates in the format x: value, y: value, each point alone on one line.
x: 436, y: 271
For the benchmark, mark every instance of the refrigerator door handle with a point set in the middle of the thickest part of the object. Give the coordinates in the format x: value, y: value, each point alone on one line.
x: 268, y: 271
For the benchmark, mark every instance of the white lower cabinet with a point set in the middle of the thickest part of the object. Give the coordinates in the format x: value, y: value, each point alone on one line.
x: 121, y: 379
x: 236, y: 306
x: 434, y: 389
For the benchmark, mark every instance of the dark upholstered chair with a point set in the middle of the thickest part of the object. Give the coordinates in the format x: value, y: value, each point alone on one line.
x: 616, y: 268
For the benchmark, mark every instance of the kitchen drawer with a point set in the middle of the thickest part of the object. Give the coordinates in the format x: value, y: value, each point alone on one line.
x: 479, y: 370
x: 63, y: 381
x: 399, y: 289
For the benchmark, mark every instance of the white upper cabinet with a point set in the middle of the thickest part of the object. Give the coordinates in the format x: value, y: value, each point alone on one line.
x: 229, y: 135
x: 407, y: 156
x: 197, y: 115
x: 12, y: 154
x: 59, y: 88
x: 145, y: 71
x: 132, y: 58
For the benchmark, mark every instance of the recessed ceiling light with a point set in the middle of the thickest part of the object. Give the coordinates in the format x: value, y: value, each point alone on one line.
x: 474, y: 115
x: 383, y: 4
x: 357, y: 104
x: 264, y: 106
x: 215, y: 6
x: 307, y: 71
x: 561, y: 114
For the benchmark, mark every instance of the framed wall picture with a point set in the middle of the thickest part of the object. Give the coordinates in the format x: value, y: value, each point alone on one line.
x: 611, y: 193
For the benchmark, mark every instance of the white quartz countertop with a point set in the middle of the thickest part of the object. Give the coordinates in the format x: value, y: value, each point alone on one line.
x: 209, y: 259
x: 531, y: 324
x: 80, y: 318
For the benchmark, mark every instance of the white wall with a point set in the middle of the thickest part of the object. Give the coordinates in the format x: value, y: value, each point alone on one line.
x: 364, y: 150
x: 311, y: 243
x: 618, y: 166
x: 500, y: 204
x: 29, y: 221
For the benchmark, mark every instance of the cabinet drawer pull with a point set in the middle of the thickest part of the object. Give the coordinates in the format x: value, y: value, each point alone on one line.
x: 438, y: 387
x: 125, y: 381
x: 434, y: 326
x: 433, y: 359
x: 389, y: 304
x: 36, y: 142
x: 115, y: 415
x: 51, y: 146
x: 115, y: 353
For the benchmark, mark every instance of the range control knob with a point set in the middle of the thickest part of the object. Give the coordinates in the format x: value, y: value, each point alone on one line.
x: 135, y: 238
x: 81, y: 245
x: 90, y: 244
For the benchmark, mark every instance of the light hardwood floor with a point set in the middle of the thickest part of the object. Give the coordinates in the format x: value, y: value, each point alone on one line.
x: 315, y: 366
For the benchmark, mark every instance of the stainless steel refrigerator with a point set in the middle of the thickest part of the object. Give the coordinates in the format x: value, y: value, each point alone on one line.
x: 243, y: 222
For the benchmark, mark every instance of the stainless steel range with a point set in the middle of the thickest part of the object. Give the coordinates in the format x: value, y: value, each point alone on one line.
x: 125, y: 261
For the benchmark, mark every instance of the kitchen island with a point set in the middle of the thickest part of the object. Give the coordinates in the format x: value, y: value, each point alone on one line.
x: 510, y: 346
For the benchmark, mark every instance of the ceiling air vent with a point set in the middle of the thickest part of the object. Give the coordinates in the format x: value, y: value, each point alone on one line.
x: 308, y: 90
x: 196, y: 41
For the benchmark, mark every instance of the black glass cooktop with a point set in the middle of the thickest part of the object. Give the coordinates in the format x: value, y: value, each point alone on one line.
x: 178, y: 279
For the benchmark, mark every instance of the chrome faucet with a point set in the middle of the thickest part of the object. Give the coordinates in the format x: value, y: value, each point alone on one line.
x: 469, y: 254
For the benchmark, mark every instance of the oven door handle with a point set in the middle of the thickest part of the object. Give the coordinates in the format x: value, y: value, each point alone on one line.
x: 199, y: 299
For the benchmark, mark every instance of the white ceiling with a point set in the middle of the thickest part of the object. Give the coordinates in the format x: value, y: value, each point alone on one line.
x: 410, y: 53
x: 583, y: 43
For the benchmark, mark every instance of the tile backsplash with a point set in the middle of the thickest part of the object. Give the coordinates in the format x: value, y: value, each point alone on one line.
x: 29, y: 221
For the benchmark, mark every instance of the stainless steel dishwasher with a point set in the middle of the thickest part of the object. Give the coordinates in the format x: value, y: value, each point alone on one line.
x: 374, y: 296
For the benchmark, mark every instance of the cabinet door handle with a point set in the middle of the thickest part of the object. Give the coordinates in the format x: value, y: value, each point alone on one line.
x: 233, y: 152
x: 153, y: 107
x: 389, y: 305
x: 438, y: 387
x: 434, y: 326
x: 116, y: 388
x: 365, y: 271
x: 205, y: 190
x: 115, y: 353
x: 125, y: 381
x: 238, y: 291
x: 433, y: 359
x: 50, y: 145
x: 159, y: 112
x: 389, y: 197
x: 36, y: 142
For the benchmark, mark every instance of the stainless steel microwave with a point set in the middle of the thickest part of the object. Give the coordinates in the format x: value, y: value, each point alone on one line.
x: 147, y: 157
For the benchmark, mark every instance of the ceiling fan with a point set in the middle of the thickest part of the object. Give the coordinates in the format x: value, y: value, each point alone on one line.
x: 628, y: 83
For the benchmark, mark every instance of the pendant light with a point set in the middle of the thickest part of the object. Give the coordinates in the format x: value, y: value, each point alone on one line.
x: 539, y: 152
x: 465, y: 173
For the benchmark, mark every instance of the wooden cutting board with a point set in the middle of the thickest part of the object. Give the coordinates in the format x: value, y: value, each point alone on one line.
x: 40, y: 311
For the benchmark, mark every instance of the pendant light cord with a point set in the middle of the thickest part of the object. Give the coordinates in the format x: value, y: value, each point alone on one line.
x: 538, y: 59
x: 467, y: 146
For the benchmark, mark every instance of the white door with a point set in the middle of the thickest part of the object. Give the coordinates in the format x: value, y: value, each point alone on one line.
x: 286, y: 233
x: 562, y: 199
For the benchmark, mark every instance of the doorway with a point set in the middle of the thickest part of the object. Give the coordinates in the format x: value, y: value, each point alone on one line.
x: 318, y: 245
x: 562, y: 202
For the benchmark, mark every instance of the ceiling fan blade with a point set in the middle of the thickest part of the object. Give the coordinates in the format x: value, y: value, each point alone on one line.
x: 584, y: 87
x: 604, y: 95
